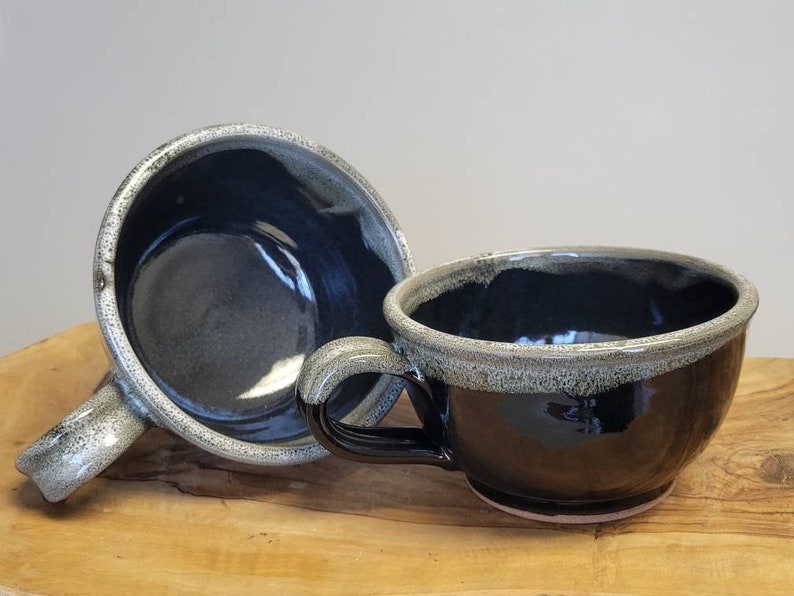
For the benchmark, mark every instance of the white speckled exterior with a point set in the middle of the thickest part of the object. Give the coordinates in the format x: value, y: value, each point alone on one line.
x: 344, y: 358
x: 582, y: 369
x: 84, y: 443
x: 142, y: 395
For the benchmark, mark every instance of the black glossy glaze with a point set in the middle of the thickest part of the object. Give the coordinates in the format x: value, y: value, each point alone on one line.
x: 393, y: 445
x: 560, y: 453
x: 579, y: 306
x: 229, y: 273
x: 557, y: 447
x: 555, y: 453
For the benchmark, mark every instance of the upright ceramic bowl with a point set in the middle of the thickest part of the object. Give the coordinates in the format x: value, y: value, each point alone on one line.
x: 570, y: 384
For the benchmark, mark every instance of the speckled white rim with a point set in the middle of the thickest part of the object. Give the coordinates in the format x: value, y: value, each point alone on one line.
x: 128, y: 369
x: 583, y: 369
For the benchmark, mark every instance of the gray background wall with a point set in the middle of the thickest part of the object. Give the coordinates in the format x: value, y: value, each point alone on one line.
x: 485, y: 125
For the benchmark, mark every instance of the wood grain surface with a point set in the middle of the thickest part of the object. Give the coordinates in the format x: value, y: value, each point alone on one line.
x: 169, y: 518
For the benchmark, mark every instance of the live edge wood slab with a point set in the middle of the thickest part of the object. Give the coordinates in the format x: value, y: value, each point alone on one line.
x: 169, y: 518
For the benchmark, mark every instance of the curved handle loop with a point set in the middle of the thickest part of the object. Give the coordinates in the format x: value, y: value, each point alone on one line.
x: 340, y: 359
x: 84, y: 443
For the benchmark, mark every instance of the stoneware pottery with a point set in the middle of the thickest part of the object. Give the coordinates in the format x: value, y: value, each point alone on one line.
x: 569, y: 385
x: 225, y: 258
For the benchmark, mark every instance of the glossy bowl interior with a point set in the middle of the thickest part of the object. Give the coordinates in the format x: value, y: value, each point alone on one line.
x: 234, y: 263
x: 579, y: 300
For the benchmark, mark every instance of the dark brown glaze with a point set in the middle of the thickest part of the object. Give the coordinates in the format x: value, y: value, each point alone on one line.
x: 614, y: 445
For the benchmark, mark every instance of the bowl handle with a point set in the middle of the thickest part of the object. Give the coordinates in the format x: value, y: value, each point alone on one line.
x: 340, y: 359
x: 84, y: 443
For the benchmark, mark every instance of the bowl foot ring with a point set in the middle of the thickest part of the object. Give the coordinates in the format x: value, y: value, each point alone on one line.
x: 563, y: 513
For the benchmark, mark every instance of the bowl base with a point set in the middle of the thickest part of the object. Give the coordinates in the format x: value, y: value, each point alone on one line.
x: 565, y: 513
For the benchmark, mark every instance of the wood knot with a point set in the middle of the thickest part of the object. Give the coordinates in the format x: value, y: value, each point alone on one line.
x: 778, y: 468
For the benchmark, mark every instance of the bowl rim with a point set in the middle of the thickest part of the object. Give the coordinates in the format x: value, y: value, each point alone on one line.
x: 429, y: 339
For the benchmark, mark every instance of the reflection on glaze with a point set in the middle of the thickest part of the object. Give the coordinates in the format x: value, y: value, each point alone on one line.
x: 273, y: 232
x: 572, y: 336
x: 561, y: 420
x: 622, y: 442
x: 282, y: 375
x: 293, y: 277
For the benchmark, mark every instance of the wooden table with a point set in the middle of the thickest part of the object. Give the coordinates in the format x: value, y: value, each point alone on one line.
x: 169, y: 518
